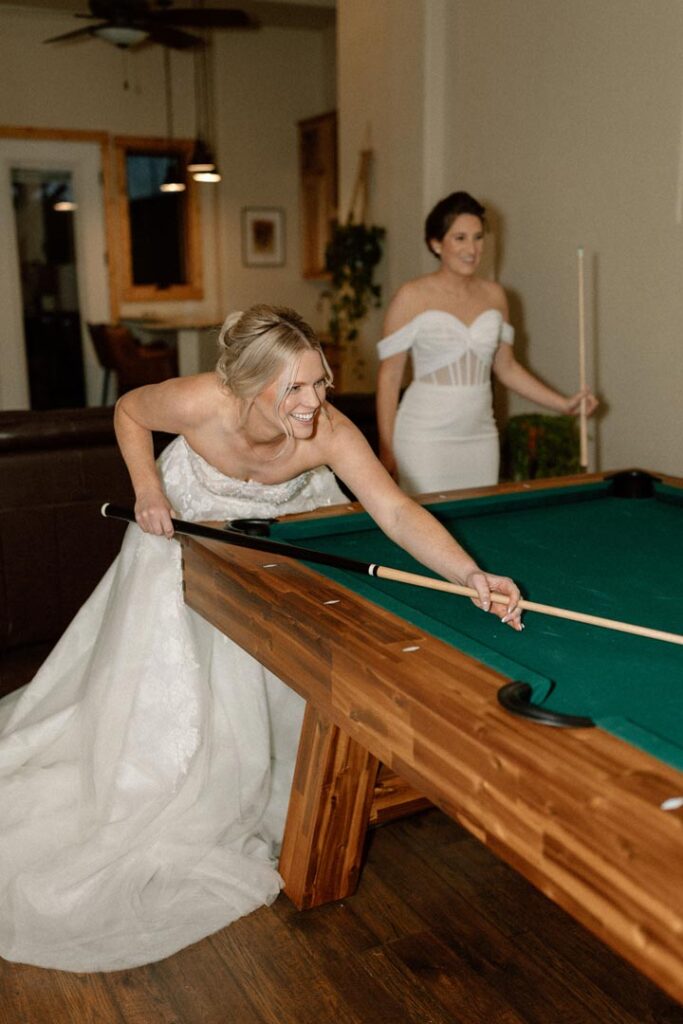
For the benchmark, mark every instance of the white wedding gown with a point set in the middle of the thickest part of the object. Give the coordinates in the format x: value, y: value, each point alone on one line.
x: 145, y: 772
x: 445, y: 434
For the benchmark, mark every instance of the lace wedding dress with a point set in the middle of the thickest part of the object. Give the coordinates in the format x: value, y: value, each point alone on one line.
x: 445, y: 435
x: 145, y: 772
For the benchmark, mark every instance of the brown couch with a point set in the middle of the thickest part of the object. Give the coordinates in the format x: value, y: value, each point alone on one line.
x: 56, y: 470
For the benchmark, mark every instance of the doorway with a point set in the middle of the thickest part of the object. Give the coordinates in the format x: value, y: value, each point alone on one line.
x: 53, y: 272
x: 44, y: 210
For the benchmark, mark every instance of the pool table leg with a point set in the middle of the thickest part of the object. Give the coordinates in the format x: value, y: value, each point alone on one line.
x: 328, y: 815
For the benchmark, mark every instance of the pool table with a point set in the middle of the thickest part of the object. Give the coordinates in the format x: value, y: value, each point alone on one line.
x: 589, y: 807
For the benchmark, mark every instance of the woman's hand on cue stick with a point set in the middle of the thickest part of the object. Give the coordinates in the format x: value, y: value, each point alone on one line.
x: 508, y: 609
x: 153, y: 512
x: 591, y: 620
x: 581, y: 398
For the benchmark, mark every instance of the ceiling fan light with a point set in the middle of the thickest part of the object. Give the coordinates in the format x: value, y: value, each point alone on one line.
x: 121, y: 35
x: 201, y: 159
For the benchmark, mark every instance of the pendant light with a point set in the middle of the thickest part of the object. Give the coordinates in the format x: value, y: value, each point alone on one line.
x: 174, y: 179
x: 202, y: 165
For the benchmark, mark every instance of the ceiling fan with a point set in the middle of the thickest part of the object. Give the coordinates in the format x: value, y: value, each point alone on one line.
x: 127, y: 23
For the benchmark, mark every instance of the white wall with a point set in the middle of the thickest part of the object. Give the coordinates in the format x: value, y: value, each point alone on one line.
x: 381, y: 89
x: 568, y: 119
x: 265, y: 82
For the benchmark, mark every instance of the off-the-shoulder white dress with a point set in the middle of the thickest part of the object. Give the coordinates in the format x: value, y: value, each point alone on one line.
x: 445, y: 434
x: 145, y: 771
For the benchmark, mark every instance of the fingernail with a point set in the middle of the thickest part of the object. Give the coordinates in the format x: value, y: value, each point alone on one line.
x: 506, y: 618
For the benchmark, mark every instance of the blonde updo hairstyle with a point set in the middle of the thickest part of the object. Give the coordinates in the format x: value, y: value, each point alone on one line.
x: 256, y: 346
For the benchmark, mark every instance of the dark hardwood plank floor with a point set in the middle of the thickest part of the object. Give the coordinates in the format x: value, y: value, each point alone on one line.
x: 440, y: 932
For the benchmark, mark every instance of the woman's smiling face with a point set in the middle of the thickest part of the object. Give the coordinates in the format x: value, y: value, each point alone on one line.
x: 304, y: 388
x: 462, y: 246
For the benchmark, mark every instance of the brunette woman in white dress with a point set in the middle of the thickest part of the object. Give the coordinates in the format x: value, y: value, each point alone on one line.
x: 455, y: 325
x: 145, y: 771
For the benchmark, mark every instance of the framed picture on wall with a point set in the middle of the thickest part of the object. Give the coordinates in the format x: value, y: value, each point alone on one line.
x: 263, y: 236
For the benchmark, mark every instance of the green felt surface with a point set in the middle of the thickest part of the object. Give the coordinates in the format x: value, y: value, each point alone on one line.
x: 577, y: 548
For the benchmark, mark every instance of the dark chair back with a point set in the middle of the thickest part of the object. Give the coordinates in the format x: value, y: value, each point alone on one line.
x: 134, y: 364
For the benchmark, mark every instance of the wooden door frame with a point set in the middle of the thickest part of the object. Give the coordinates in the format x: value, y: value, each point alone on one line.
x: 104, y: 140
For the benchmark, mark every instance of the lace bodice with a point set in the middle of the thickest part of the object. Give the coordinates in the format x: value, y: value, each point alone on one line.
x: 197, y: 490
x: 447, y: 351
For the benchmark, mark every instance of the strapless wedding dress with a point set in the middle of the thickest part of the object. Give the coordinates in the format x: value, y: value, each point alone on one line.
x: 145, y: 772
x: 445, y: 434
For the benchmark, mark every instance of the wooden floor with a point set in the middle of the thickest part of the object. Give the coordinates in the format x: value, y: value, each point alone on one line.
x: 440, y: 932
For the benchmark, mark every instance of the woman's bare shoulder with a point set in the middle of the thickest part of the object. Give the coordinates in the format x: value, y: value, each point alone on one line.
x: 177, y: 403
x: 494, y: 295
x: 336, y: 432
x: 411, y: 299
x: 198, y: 395
x: 418, y: 289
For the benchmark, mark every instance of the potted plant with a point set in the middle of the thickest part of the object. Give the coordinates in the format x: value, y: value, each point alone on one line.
x: 351, y: 257
x: 539, y: 445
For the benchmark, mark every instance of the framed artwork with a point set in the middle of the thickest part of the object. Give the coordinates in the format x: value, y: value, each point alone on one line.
x: 263, y: 236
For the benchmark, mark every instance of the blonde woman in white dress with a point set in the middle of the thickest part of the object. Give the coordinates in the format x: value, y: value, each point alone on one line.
x: 455, y: 325
x: 145, y: 771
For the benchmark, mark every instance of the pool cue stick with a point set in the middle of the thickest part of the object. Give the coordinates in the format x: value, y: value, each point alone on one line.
x: 583, y: 418
x: 237, y: 539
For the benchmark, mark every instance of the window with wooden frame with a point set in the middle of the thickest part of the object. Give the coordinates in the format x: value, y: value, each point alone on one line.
x: 318, y: 190
x: 158, y: 255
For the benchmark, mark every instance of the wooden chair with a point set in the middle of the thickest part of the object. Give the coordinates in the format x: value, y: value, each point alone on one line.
x: 134, y: 364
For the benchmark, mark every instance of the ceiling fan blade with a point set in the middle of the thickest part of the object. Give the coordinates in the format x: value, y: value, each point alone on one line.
x: 203, y: 17
x: 172, y: 37
x: 82, y: 32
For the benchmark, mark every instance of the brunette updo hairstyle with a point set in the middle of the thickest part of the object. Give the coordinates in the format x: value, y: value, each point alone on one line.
x: 445, y: 212
x: 256, y: 346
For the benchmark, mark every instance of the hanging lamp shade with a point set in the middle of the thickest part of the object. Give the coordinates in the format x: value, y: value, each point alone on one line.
x: 173, y: 181
x: 202, y: 165
x: 211, y: 176
x: 201, y: 159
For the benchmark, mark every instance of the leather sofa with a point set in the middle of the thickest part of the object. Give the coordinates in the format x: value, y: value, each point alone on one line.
x: 56, y: 470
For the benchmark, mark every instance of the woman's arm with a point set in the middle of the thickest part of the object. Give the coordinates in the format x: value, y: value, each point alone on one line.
x: 407, y: 523
x: 514, y: 376
x: 401, y: 311
x: 389, y: 377
x: 172, y: 407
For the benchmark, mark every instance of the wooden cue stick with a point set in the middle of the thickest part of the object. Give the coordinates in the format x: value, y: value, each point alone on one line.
x: 583, y: 418
x: 276, y: 547
x: 531, y: 606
